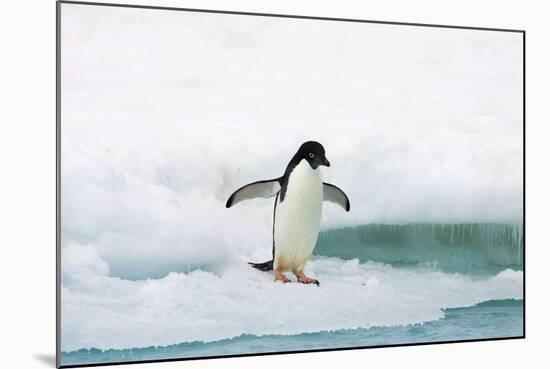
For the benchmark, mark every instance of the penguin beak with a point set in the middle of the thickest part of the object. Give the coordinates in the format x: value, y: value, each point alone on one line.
x: 326, y: 162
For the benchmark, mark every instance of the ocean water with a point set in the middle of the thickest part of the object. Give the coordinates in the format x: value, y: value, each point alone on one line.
x: 380, y: 285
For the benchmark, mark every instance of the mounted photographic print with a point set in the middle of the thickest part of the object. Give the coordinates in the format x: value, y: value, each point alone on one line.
x: 243, y: 184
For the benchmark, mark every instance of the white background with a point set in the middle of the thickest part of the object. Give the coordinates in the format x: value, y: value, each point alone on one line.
x: 27, y: 197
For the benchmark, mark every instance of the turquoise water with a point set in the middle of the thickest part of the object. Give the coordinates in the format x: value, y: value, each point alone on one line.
x: 467, y: 248
x: 492, y: 319
x: 478, y: 251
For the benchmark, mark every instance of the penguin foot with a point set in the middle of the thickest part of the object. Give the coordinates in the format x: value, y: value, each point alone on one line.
x: 279, y: 276
x: 302, y: 278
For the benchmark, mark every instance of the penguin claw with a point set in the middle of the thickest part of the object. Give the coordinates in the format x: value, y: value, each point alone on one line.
x: 306, y: 280
x: 315, y: 282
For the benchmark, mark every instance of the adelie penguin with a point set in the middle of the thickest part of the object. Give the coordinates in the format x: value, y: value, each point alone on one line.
x: 299, y: 195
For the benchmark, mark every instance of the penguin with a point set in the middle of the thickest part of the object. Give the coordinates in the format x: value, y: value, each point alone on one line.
x: 299, y: 194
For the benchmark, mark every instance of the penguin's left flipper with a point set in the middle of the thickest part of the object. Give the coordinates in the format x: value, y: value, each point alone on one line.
x: 265, y: 189
x: 334, y: 194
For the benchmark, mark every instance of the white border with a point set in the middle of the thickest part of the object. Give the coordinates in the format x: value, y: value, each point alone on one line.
x: 27, y: 159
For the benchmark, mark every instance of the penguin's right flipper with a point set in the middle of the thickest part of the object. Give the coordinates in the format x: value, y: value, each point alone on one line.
x: 263, y: 189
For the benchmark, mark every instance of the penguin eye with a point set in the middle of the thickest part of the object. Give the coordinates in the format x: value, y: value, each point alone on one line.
x: 311, y: 155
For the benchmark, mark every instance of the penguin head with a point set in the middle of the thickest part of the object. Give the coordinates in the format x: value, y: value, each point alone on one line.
x: 314, y: 153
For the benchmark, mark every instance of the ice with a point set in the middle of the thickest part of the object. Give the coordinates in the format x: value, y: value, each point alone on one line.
x: 164, y: 114
x: 106, y: 312
x: 420, y: 124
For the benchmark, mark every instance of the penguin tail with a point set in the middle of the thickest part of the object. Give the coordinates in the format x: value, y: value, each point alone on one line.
x: 264, y: 267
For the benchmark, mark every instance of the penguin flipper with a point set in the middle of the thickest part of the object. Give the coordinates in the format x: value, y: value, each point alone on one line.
x: 265, y: 189
x: 334, y: 194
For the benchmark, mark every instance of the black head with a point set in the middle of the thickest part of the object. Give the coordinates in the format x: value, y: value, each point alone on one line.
x: 314, y: 153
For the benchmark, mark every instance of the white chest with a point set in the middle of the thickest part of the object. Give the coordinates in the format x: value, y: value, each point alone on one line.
x: 297, y: 218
